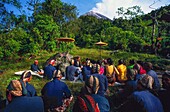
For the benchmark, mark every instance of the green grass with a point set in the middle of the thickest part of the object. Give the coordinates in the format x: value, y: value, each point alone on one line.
x: 11, y: 66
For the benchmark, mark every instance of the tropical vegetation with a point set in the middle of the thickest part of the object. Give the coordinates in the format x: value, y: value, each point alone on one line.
x: 34, y: 34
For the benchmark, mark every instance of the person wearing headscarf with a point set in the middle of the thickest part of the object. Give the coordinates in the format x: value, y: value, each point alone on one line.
x: 153, y: 74
x: 49, y: 70
x: 90, y: 90
x: 55, y: 92
x: 103, y: 82
x: 164, y: 93
x: 142, y: 100
x: 19, y: 101
x: 25, y: 78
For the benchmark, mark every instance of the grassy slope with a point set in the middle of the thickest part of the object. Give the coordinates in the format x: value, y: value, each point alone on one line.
x: 11, y: 67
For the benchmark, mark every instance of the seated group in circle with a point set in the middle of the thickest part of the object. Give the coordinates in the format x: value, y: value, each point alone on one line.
x: 141, y: 85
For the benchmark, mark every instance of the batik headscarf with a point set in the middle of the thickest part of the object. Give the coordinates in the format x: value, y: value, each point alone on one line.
x: 146, y: 81
x: 92, y: 85
x: 15, y: 88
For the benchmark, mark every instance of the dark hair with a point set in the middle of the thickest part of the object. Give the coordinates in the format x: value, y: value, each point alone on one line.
x: 140, y: 63
x: 109, y: 61
x: 132, y: 61
x: 121, y: 61
x: 99, y: 62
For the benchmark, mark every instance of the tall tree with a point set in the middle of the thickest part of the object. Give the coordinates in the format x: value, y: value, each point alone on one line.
x: 61, y: 12
x: 45, y: 31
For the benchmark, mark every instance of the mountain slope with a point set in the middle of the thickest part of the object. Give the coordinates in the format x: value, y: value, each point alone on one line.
x: 95, y: 14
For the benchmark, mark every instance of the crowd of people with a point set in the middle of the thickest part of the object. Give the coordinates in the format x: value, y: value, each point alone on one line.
x: 141, y: 91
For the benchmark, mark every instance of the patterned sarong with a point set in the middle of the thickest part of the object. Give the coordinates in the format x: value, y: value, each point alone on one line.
x: 66, y: 103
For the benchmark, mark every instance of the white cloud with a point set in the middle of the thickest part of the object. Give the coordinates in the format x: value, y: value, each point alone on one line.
x: 109, y: 7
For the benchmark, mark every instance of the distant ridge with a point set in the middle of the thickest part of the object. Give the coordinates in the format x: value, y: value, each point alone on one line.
x: 95, y: 14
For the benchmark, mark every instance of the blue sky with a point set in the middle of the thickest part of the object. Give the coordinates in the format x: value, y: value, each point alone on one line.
x: 109, y: 7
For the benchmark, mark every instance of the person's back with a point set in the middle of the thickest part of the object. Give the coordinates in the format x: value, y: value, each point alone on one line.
x: 55, y: 91
x: 90, y: 90
x: 103, y: 103
x: 130, y: 85
x: 18, y: 101
x: 25, y: 104
x: 103, y: 82
x: 31, y: 90
x: 49, y: 70
x: 25, y: 78
x: 149, y: 102
x: 70, y: 72
x: 86, y: 70
x: 122, y: 71
x: 153, y: 74
x: 109, y: 70
x: 142, y: 100
x: 85, y: 103
x: 156, y: 84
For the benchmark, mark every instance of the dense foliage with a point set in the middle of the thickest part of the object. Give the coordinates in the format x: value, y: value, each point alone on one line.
x: 22, y: 34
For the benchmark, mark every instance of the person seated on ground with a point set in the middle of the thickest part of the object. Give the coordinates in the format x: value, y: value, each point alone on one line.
x: 88, y: 94
x: 77, y: 62
x: 86, y: 70
x: 103, y: 82
x: 56, y: 94
x: 140, y: 72
x: 139, y: 68
x: 49, y: 70
x: 142, y: 100
x: 25, y: 78
x: 19, y: 101
x: 148, y: 67
x: 125, y: 91
x: 131, y: 84
x: 121, y: 77
x: 131, y: 64
x: 101, y: 63
x: 72, y: 72
x: 110, y: 72
x: 35, y: 67
x: 164, y: 94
